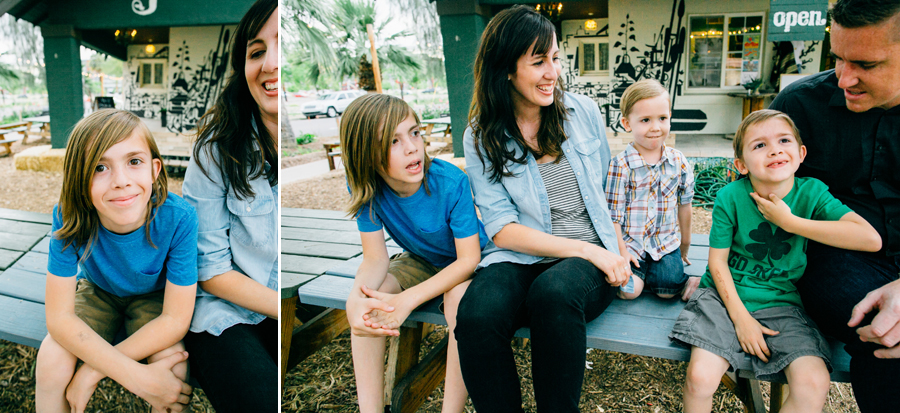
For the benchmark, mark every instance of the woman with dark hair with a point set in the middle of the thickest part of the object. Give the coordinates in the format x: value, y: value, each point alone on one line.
x: 232, y: 181
x: 537, y: 159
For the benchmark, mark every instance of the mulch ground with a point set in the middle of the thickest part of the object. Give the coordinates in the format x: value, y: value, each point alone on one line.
x: 615, y: 382
x: 38, y: 192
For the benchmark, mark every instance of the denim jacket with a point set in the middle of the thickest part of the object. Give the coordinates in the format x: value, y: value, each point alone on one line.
x: 234, y: 234
x: 522, y: 198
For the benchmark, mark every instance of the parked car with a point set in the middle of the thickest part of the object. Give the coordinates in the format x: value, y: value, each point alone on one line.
x: 330, y: 105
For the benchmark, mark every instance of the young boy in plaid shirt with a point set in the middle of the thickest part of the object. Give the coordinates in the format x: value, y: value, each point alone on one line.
x: 645, y: 186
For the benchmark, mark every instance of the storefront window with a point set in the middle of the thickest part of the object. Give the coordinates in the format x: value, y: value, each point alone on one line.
x: 725, y: 51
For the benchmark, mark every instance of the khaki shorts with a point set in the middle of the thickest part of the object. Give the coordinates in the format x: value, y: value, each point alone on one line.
x: 411, y: 269
x: 105, y: 313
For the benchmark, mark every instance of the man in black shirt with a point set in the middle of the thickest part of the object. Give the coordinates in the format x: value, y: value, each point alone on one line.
x: 849, y: 119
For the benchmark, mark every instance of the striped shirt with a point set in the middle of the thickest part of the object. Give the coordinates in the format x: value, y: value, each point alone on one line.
x: 644, y: 199
x: 568, y: 216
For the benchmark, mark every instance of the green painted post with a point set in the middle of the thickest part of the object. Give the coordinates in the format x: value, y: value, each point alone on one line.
x: 462, y: 22
x: 63, y: 59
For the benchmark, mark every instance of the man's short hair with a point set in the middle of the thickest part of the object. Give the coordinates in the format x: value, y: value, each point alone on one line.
x: 861, y: 13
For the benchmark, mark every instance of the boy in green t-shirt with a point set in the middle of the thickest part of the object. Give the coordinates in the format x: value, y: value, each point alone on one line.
x: 747, y: 301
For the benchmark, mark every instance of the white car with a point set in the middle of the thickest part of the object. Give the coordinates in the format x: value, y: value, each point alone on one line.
x: 332, y: 104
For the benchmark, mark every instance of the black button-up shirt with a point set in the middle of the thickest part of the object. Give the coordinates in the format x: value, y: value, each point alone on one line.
x: 856, y: 154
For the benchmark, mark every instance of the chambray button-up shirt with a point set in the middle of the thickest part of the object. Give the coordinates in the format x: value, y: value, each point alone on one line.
x: 522, y: 197
x: 234, y: 234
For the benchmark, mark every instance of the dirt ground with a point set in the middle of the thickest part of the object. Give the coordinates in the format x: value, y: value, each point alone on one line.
x: 615, y: 382
x: 38, y: 192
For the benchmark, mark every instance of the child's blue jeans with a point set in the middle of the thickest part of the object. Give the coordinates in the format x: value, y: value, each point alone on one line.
x: 665, y: 276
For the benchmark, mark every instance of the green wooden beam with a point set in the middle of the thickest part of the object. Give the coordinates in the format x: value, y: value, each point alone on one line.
x: 462, y: 22
x: 62, y: 56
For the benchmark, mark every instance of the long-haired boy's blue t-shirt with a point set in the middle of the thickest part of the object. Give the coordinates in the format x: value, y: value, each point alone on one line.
x: 126, y: 264
x: 423, y: 224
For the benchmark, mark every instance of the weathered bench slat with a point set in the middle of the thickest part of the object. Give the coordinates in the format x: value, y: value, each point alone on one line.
x: 290, y: 281
x: 33, y: 261
x: 314, y: 213
x: 348, y: 268
x: 313, y: 223
x: 8, y: 257
x: 321, y: 235
x: 22, y: 322
x: 307, y: 265
x: 24, y: 228
x: 18, y: 242
x: 25, y: 285
x: 43, y: 246
x: 318, y: 249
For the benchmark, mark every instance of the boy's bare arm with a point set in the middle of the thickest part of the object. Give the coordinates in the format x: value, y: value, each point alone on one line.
x: 851, y: 232
x: 749, y: 331
x: 243, y: 291
x: 165, y: 330
x: 684, y: 224
x: 158, y: 386
x: 623, y: 248
x: 468, y: 255
x: 371, y: 273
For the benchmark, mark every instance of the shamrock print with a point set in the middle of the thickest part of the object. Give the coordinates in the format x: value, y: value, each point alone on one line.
x: 771, y: 243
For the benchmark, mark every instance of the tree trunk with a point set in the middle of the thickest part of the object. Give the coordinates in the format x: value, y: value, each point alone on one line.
x: 288, y: 140
x: 366, y: 75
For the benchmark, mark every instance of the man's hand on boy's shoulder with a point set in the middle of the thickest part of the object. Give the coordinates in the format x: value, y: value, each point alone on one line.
x: 773, y: 209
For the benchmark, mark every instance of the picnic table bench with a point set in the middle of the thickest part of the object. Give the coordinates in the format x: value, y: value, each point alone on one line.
x: 332, y: 150
x: 6, y: 141
x: 43, y: 124
x: 24, y: 249
x: 321, y: 251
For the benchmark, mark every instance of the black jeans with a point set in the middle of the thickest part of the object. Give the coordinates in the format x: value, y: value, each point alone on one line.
x: 555, y: 300
x: 834, y: 282
x: 237, y: 370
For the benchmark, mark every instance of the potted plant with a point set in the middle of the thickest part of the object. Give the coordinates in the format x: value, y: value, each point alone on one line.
x: 752, y: 85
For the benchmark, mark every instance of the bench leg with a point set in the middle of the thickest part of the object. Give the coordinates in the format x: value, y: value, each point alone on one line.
x: 747, y: 390
x: 315, y: 334
x: 777, y: 397
x: 288, y: 307
x: 421, y: 380
x: 8, y: 147
x: 403, y: 354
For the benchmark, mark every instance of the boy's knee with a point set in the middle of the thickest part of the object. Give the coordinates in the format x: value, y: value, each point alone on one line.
x: 628, y: 296
x: 55, y: 363
x: 813, y: 386
x: 699, y: 382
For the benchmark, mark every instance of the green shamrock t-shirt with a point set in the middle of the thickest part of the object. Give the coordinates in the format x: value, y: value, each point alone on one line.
x: 765, y: 261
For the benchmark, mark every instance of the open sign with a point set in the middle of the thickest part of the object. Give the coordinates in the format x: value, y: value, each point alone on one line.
x: 797, y: 20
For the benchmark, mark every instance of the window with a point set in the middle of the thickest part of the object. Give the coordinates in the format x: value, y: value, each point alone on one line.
x: 725, y: 50
x: 595, y: 56
x: 152, y: 73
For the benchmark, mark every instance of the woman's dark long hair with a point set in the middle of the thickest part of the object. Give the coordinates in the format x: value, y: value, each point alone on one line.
x: 228, y: 123
x: 506, y: 38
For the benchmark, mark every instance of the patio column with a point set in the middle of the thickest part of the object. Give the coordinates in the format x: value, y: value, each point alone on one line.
x: 64, y: 86
x: 462, y: 22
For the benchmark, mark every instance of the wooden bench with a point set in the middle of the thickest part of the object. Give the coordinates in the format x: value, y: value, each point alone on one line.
x: 330, y: 258
x: 24, y: 249
x: 7, y: 141
x: 332, y: 150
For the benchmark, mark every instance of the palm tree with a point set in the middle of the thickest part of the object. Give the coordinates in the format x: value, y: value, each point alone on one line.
x: 346, y: 24
x: 306, y: 21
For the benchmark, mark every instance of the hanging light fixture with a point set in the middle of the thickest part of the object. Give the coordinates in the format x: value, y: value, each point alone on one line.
x: 590, y: 25
x: 150, y: 49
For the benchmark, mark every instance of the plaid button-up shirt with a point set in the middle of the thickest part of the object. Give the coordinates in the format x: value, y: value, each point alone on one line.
x: 644, y: 199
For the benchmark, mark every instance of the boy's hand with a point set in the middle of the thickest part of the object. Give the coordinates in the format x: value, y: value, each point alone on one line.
x: 82, y: 387
x: 689, y: 287
x: 358, y: 305
x: 156, y: 384
x: 684, y: 253
x: 630, y: 258
x: 750, y: 334
x: 387, y: 320
x: 773, y: 209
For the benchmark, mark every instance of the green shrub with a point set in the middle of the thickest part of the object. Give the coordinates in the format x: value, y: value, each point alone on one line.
x: 306, y: 138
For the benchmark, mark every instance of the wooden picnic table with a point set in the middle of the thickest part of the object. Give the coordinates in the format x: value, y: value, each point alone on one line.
x: 430, y: 134
x: 43, y: 123
x: 24, y: 249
